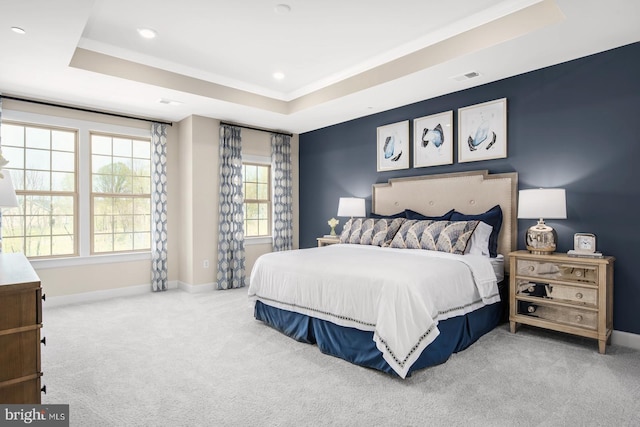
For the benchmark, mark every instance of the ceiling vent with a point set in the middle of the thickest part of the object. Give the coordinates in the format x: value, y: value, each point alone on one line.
x: 466, y: 76
x: 169, y: 101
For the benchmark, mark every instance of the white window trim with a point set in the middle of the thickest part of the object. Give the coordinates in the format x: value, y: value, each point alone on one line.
x: 261, y: 160
x: 84, y: 128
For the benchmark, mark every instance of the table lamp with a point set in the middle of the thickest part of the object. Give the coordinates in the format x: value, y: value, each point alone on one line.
x: 351, y: 206
x: 8, y: 197
x: 542, y: 203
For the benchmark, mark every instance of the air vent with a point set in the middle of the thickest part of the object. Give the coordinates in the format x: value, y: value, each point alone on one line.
x: 169, y: 101
x: 466, y: 76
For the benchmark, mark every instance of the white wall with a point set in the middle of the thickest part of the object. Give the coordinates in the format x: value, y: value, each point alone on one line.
x: 192, y: 211
x: 199, y: 172
x: 61, y: 277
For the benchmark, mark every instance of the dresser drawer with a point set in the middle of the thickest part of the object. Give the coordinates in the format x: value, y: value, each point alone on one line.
x: 565, y: 271
x: 563, y: 293
x: 20, y: 354
x: 569, y: 316
x: 19, y: 309
x: 23, y: 392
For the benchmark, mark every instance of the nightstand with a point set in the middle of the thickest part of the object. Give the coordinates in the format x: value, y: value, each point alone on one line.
x: 324, y: 241
x: 562, y: 293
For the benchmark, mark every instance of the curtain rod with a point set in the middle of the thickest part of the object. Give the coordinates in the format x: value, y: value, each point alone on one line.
x: 86, y: 110
x: 258, y: 129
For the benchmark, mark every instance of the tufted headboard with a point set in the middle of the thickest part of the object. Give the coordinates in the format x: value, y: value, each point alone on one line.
x: 467, y: 192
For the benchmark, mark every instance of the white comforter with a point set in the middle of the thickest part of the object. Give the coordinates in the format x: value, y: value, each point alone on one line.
x: 399, y: 294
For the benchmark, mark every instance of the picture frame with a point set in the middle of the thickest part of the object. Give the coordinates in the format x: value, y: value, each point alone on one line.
x: 433, y: 140
x: 482, y: 131
x: 393, y: 146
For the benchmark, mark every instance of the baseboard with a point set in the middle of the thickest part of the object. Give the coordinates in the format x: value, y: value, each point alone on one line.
x: 625, y: 339
x: 192, y: 289
x: 101, y: 295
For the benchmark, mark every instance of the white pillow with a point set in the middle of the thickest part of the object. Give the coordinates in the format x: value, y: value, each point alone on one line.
x: 479, y: 244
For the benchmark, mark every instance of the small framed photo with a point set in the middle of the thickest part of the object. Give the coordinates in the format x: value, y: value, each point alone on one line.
x: 482, y: 131
x: 433, y: 140
x: 393, y: 146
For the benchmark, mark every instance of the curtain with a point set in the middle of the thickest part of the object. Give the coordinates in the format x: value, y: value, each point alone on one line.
x: 159, y: 273
x: 231, y: 256
x: 282, y: 192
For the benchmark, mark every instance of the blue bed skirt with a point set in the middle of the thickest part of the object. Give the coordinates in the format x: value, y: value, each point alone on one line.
x: 358, y: 347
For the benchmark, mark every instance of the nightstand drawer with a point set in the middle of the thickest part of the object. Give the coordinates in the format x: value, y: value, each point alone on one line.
x: 562, y: 293
x: 582, y: 318
x: 565, y: 271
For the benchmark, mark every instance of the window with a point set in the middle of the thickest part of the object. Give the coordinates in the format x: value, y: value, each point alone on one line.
x: 120, y: 194
x: 42, y: 164
x: 256, y: 182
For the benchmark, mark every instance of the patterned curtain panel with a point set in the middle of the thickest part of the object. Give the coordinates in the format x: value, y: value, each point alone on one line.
x: 231, y: 256
x: 159, y: 273
x: 282, y: 192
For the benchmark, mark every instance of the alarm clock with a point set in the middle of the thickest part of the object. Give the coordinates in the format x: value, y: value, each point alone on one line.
x: 584, y: 243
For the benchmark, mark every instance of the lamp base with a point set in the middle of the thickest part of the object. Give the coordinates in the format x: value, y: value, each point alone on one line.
x: 541, y: 239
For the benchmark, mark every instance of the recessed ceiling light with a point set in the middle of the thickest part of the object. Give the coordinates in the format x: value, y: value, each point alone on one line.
x: 282, y: 9
x: 18, y: 30
x: 278, y: 75
x: 147, y: 33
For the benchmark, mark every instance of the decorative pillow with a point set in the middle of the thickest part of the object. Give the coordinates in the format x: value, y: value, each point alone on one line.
x: 392, y: 216
x: 442, y: 236
x: 479, y: 243
x: 492, y: 217
x: 409, y: 214
x: 370, y: 231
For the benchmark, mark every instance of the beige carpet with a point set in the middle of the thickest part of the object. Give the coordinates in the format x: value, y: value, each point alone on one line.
x: 179, y: 359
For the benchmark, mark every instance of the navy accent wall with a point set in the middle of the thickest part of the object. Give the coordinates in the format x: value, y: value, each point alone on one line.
x: 575, y: 125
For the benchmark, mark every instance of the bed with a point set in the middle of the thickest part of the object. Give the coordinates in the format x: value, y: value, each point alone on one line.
x: 405, y: 289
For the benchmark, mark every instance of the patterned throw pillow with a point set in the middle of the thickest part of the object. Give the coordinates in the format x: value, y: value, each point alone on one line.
x: 370, y: 231
x: 442, y: 236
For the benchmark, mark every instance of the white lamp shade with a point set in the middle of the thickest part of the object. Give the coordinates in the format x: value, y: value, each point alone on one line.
x: 539, y: 203
x: 351, y: 206
x: 8, y: 197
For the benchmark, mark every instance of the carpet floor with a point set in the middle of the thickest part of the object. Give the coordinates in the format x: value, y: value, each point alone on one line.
x: 180, y: 359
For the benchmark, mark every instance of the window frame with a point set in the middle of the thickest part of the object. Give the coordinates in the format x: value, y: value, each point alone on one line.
x: 83, y: 125
x: 23, y: 193
x: 93, y: 195
x: 259, y: 161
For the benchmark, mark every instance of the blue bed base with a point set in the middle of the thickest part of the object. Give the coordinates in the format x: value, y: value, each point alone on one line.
x: 358, y: 347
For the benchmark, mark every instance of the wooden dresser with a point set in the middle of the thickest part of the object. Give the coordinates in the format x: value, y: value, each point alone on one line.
x: 567, y: 294
x: 20, y: 324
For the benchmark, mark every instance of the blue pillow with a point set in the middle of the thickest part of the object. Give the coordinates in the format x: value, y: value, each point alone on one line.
x: 416, y: 215
x: 493, y: 217
x: 393, y: 216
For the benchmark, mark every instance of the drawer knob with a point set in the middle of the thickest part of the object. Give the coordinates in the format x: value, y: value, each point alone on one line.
x: 531, y: 309
x: 578, y: 318
x: 579, y: 295
x: 578, y: 273
x: 532, y: 267
x: 44, y: 340
x: 44, y: 389
x: 531, y: 289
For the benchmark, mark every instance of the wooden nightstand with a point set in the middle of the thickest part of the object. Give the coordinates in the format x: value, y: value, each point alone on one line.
x: 563, y: 293
x: 324, y: 241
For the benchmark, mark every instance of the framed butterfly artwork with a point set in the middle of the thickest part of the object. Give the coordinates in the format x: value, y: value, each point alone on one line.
x: 393, y: 146
x: 482, y: 131
x: 433, y: 140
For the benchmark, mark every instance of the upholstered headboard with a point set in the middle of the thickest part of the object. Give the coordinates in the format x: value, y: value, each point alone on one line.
x: 467, y: 192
